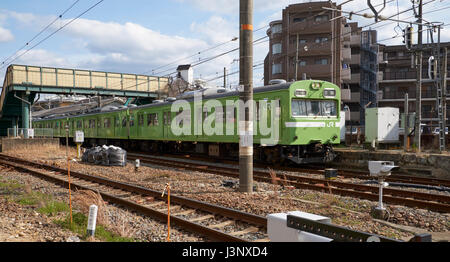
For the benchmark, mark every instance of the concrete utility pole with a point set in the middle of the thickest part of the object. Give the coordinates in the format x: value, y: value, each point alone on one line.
x: 245, y: 95
x: 419, y: 55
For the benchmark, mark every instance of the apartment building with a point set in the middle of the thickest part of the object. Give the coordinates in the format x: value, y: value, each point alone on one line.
x: 328, y: 48
x: 399, y: 78
x: 321, y: 43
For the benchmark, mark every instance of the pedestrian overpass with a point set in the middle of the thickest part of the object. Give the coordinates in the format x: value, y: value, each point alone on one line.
x: 24, y: 83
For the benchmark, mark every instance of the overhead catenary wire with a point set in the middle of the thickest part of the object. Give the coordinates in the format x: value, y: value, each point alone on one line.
x: 357, y: 29
x: 56, y: 31
x: 42, y: 31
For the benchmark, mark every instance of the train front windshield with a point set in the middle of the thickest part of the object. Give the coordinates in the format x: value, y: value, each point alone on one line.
x: 314, y: 108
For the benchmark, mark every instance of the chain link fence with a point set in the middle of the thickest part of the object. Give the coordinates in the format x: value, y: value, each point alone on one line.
x: 30, y: 133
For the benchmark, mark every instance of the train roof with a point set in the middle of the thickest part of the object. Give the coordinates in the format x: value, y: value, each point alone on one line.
x: 262, y: 89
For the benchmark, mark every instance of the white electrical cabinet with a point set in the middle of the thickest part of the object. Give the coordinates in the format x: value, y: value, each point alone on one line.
x: 382, y: 124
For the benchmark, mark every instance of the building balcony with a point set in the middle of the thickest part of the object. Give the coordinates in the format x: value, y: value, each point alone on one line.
x: 346, y: 34
x: 355, y: 40
x: 310, y: 27
x: 312, y: 71
x: 399, y: 75
x: 411, y: 95
x: 355, y: 97
x: 380, y: 76
x: 346, y: 74
x: 346, y: 55
x: 355, y: 60
x: 355, y: 78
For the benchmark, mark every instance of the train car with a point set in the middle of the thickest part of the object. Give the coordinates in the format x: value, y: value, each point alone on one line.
x: 303, y: 127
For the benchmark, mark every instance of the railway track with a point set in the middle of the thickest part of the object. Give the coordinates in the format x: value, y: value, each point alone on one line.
x: 433, y: 202
x: 211, y: 221
x: 319, y: 170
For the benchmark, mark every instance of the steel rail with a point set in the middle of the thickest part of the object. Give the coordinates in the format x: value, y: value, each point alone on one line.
x: 185, y: 224
x: 391, y: 196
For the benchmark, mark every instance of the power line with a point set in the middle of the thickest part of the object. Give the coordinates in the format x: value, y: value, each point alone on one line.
x: 43, y: 30
x: 198, y: 53
x: 59, y: 29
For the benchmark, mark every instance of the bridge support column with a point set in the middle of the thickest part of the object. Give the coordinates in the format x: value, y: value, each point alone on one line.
x: 26, y: 112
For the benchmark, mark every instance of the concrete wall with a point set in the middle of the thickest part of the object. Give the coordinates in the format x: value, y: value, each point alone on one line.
x: 9, y: 144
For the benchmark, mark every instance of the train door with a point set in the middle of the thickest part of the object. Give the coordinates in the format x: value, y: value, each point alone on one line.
x: 166, y: 124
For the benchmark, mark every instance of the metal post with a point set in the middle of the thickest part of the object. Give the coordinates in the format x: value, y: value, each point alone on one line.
x: 406, y: 125
x: 419, y: 55
x: 443, y: 99
x: 245, y: 95
x: 296, y: 61
x: 224, y: 77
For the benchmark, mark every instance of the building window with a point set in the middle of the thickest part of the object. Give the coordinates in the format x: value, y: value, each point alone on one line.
x: 298, y: 19
x: 277, y: 29
x: 276, y: 49
x: 321, y: 39
x: 276, y: 69
x: 302, y: 41
x: 323, y: 61
x: 302, y: 63
x: 321, y: 18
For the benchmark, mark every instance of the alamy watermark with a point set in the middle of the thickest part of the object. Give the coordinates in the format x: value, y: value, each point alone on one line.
x: 221, y: 119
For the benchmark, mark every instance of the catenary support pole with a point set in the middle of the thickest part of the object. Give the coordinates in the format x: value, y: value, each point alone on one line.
x: 246, y: 96
x: 419, y: 55
x: 406, y: 124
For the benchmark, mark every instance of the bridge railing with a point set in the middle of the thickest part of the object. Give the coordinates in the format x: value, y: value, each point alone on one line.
x: 34, y: 76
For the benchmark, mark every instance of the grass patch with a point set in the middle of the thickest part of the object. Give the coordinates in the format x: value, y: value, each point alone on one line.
x: 53, y: 207
x: 79, y: 226
x: 10, y: 187
x: 33, y: 198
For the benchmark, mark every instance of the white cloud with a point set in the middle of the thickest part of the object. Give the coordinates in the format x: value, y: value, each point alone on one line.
x: 5, y: 35
x: 41, y: 57
x: 216, y: 30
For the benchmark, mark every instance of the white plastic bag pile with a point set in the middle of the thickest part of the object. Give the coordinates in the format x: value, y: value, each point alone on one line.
x: 106, y: 156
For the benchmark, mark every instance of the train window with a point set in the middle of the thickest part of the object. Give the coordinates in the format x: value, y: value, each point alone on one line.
x: 155, y: 120
x: 124, y: 121
x: 329, y: 108
x: 313, y: 108
x: 149, y: 119
x: 117, y: 121
x: 107, y: 122
x: 79, y: 124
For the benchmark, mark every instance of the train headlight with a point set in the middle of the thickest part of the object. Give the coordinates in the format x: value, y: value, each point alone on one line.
x: 300, y: 93
x: 316, y: 86
x: 329, y: 93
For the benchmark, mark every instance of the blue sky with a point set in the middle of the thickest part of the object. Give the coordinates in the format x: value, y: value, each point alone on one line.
x: 137, y: 36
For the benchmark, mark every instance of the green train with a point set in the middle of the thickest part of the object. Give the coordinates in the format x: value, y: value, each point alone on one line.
x: 298, y: 121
